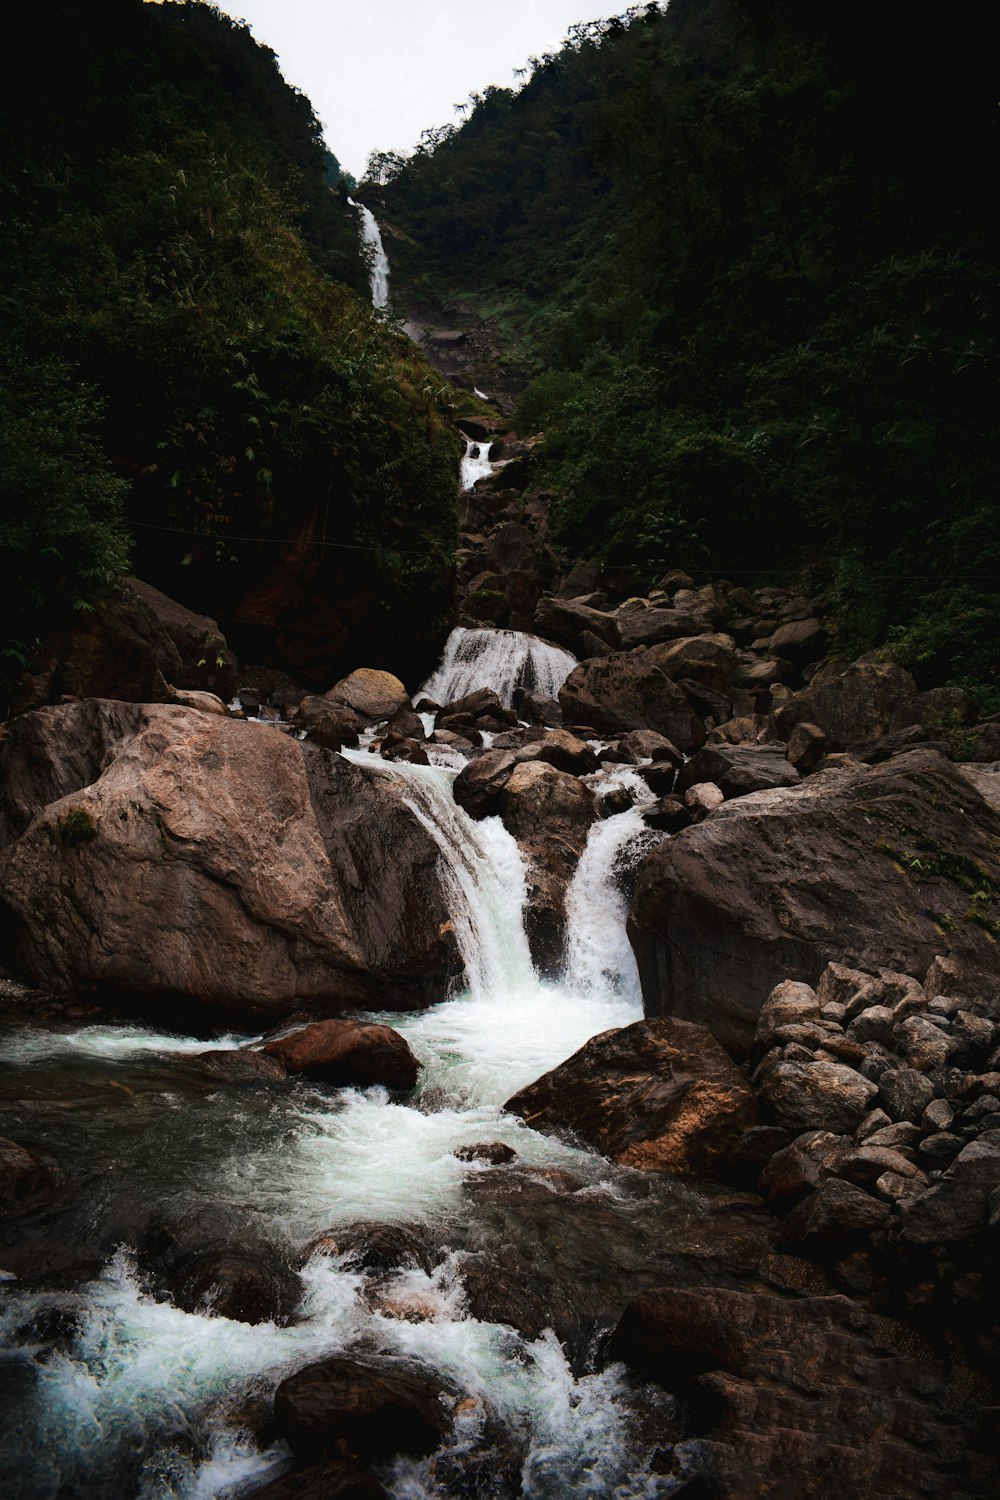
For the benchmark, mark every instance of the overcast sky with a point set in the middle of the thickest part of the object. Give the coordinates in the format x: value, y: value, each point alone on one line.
x: 379, y: 72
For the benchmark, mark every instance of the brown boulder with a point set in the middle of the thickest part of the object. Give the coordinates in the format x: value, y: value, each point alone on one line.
x: 805, y: 1396
x: 661, y: 1096
x: 566, y: 621
x: 738, y: 770
x: 208, y: 864
x: 26, y: 1182
x: 778, y: 884
x: 335, y: 1480
x: 854, y: 705
x: 373, y: 695
x: 347, y: 1053
x: 206, y: 661
x: 373, y: 1408
x: 627, y: 690
x: 549, y: 812
x: 651, y: 627
x: 708, y: 659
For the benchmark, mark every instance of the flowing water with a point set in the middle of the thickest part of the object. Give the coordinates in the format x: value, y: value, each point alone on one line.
x: 112, y: 1390
x: 475, y: 463
x: 499, y: 659
x: 371, y: 237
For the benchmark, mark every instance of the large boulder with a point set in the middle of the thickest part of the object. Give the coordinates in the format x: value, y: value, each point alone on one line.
x: 661, y: 1096
x: 738, y: 769
x: 804, y: 1396
x: 373, y: 1408
x: 347, y: 1053
x: 206, y: 661
x: 650, y: 627
x: 371, y: 694
x: 204, y: 863
x: 875, y: 868
x: 566, y: 621
x: 855, y: 705
x: 708, y: 659
x: 627, y: 690
x: 549, y: 812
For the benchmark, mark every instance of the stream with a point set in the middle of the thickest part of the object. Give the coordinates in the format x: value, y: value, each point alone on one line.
x: 112, y: 1390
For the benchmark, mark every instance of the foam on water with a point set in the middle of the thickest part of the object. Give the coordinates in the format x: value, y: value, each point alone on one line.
x: 499, y: 659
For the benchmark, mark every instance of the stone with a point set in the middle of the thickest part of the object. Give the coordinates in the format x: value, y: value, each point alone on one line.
x: 374, y: 1407
x: 817, y: 1096
x: 905, y: 1093
x: 549, y: 812
x: 903, y: 1134
x: 374, y: 1247
x: 832, y: 1211
x: 398, y: 747
x: 799, y: 1167
x: 26, y: 1182
x: 667, y: 815
x: 237, y: 1284
x: 778, y: 884
x: 703, y: 798
x: 938, y: 1115
x: 335, y: 1480
x: 205, y: 703
x: 856, y: 704
x: 787, y: 1002
x: 923, y: 1044
x: 838, y: 984
x: 491, y: 1153
x: 738, y: 769
x: 957, y: 1207
x: 800, y: 641
x: 865, y: 1165
x: 651, y: 627
x: 565, y: 622
x: 350, y: 1054
x: 239, y: 1065
x: 211, y: 869
x: 874, y: 1024
x: 660, y: 1096
x: 627, y: 690
x: 807, y: 744
x: 646, y: 744
x: 372, y: 694
x: 804, y: 1396
x: 707, y: 659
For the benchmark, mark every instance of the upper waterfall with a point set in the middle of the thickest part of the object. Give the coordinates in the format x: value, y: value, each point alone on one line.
x: 499, y: 659
x: 371, y: 235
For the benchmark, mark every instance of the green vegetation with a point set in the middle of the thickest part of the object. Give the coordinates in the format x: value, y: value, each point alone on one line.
x: 746, y: 251
x: 75, y: 828
x: 191, y: 368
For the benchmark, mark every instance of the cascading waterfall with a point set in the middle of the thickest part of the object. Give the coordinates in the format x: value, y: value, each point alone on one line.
x: 499, y: 659
x: 475, y: 463
x: 372, y: 236
x: 134, y: 1400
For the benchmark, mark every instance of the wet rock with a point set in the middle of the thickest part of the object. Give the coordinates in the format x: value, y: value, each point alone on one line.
x: 374, y: 1247
x: 373, y: 695
x: 398, y: 747
x: 228, y: 871
x: 335, y: 1480
x: 778, y: 884
x: 807, y: 744
x: 802, y: 1396
x: 26, y: 1182
x: 498, y: 1293
x: 646, y: 744
x: 667, y: 815
x: 549, y: 812
x: 491, y: 1153
x: 627, y: 691
x: 374, y: 1408
x: 348, y: 1054
x: 479, y: 786
x: 238, y: 1285
x: 817, y: 1096
x: 205, y: 703
x: 660, y: 1096
x: 240, y: 1065
x: 538, y: 709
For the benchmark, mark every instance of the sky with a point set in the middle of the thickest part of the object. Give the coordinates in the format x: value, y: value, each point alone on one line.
x: 379, y: 72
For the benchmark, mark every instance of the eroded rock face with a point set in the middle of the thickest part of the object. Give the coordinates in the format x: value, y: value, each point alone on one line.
x: 374, y: 1408
x: 806, y: 1396
x: 777, y: 884
x: 857, y: 704
x: 199, y: 862
x: 347, y: 1053
x: 661, y: 1096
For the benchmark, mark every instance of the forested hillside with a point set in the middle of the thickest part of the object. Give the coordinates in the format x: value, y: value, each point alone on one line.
x: 745, y: 251
x: 192, y: 371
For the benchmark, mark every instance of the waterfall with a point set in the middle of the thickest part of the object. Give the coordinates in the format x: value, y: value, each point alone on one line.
x: 102, y: 1411
x: 475, y: 463
x: 371, y: 236
x: 499, y: 659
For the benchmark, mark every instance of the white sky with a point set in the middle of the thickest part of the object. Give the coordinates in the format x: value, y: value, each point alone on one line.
x: 378, y: 72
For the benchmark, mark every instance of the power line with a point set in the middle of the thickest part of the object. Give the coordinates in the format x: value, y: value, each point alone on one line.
x: 280, y: 541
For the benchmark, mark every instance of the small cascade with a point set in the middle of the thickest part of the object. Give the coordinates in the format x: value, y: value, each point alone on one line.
x: 499, y: 659
x: 475, y: 463
x: 372, y: 237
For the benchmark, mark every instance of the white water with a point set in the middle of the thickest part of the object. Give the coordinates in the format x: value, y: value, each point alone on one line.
x: 475, y: 463
x: 372, y: 237
x: 499, y: 659
x: 145, y: 1374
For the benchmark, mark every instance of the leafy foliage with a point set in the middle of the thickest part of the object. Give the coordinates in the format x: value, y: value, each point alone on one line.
x: 758, y: 295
